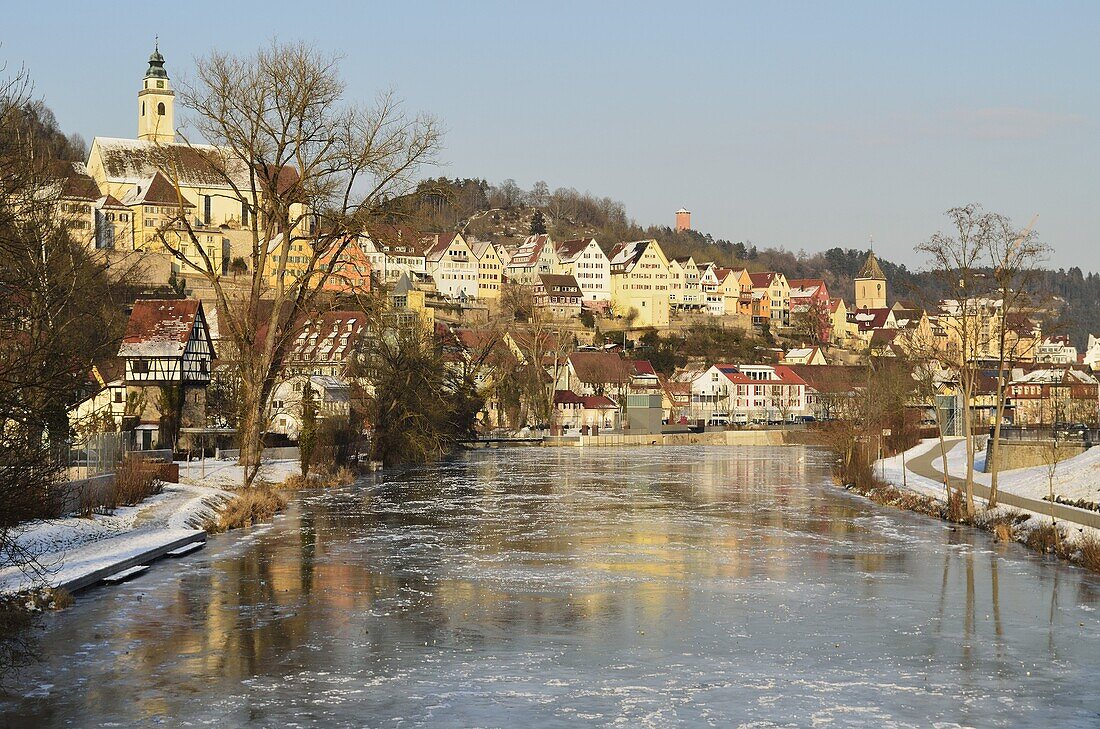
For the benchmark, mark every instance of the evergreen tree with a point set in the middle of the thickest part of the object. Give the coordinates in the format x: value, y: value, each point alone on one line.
x: 538, y: 223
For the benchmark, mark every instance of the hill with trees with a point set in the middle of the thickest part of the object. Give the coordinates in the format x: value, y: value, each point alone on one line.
x: 507, y: 212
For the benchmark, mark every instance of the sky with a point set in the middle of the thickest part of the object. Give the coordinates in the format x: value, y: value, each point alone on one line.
x: 787, y: 124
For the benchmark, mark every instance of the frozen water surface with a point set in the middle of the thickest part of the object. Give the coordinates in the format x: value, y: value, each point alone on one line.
x: 644, y: 587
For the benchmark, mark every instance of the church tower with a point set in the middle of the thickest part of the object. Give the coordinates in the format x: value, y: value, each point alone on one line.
x: 156, y: 117
x: 870, y: 285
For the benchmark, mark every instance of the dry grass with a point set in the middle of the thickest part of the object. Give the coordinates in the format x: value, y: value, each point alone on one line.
x: 1004, y: 533
x: 1089, y: 545
x: 342, y: 476
x: 1045, y: 538
x: 247, y: 507
x: 134, y: 482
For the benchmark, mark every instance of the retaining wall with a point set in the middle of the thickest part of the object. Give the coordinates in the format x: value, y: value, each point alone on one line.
x: 272, y: 454
x: 1024, y: 454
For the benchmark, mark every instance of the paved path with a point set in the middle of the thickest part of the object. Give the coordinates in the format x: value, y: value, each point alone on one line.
x: 927, y: 465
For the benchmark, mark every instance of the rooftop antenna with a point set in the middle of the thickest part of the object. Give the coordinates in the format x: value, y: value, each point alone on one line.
x: 156, y: 43
x: 872, y: 237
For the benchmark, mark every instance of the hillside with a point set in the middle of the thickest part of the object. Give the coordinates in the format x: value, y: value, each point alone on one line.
x: 504, y: 212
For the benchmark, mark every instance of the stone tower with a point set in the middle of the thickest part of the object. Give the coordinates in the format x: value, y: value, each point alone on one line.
x: 156, y: 115
x: 871, y: 285
x: 683, y: 219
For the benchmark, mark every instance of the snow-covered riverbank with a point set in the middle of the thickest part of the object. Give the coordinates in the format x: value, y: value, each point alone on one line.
x: 69, y: 548
x: 1074, y: 478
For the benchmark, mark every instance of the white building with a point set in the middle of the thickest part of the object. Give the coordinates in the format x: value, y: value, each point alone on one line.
x: 452, y: 264
x: 584, y: 260
x: 1056, y: 350
x: 745, y: 394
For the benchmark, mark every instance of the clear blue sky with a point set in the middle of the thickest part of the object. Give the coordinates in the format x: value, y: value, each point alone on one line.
x: 803, y: 125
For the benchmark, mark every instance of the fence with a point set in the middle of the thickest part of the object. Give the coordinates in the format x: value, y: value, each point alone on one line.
x: 98, y: 454
x: 1088, y: 436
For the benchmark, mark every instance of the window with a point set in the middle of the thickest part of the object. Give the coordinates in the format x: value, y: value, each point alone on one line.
x: 207, y: 203
x: 140, y: 366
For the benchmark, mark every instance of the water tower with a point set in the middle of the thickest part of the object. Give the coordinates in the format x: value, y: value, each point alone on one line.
x: 683, y: 219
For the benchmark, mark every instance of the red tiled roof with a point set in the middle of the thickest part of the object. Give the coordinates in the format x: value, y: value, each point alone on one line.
x: 762, y: 280
x: 159, y: 327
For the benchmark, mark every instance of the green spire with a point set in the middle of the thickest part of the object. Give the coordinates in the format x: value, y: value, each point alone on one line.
x: 156, y: 63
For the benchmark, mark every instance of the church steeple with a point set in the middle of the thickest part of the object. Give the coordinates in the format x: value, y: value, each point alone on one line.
x: 156, y: 115
x: 870, y: 284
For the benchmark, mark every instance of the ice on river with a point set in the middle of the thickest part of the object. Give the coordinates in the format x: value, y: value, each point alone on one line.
x: 652, y: 587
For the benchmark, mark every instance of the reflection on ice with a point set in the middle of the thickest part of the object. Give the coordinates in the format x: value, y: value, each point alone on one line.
x: 640, y: 587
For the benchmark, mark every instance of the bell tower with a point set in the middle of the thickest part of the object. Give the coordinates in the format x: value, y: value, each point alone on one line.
x: 870, y: 284
x: 156, y: 115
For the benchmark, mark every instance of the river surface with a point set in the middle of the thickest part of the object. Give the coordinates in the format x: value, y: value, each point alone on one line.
x: 651, y: 587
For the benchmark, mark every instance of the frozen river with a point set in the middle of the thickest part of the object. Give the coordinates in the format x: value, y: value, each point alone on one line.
x: 656, y: 587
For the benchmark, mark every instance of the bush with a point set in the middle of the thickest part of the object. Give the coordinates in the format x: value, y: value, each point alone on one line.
x: 133, y: 482
x: 249, y: 506
x: 1090, y: 551
x: 1045, y: 538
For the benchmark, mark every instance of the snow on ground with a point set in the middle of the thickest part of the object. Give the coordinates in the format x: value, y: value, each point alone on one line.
x: 890, y: 470
x: 227, y: 474
x: 71, y: 547
x: 1074, y: 478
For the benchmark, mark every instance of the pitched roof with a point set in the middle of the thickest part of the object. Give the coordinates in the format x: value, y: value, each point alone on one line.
x: 627, y: 254
x: 155, y: 190
x: 561, y: 283
x: 328, y: 337
x: 529, y: 251
x: 159, y: 327
x: 871, y: 269
x: 76, y: 184
x: 600, y: 367
x: 569, y: 250
x: 763, y: 279
x: 832, y: 378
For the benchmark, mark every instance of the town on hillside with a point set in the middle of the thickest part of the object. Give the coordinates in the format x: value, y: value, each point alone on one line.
x: 297, y: 430
x: 575, y: 310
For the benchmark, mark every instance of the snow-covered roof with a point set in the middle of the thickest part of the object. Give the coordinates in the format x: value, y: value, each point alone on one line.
x: 160, y: 327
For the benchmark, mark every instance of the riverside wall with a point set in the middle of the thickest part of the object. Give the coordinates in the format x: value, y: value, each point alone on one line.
x: 727, y: 437
x: 1025, y: 454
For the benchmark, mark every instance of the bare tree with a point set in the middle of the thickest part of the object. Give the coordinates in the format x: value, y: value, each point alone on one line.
x: 1014, y: 257
x: 956, y: 259
x: 310, y: 173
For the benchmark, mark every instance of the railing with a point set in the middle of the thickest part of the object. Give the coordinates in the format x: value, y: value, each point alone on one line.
x: 1089, y: 436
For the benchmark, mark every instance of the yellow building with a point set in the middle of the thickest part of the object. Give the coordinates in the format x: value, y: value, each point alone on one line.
x: 146, y: 172
x: 870, y: 285
x: 640, y: 281
x: 490, y: 269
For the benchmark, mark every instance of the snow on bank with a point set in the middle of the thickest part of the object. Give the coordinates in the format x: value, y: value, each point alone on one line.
x: 1074, y: 478
x: 71, y: 547
x: 228, y: 474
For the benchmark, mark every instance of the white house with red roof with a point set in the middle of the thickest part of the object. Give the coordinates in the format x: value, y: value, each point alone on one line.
x: 451, y: 262
x: 584, y: 260
x: 747, y: 394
